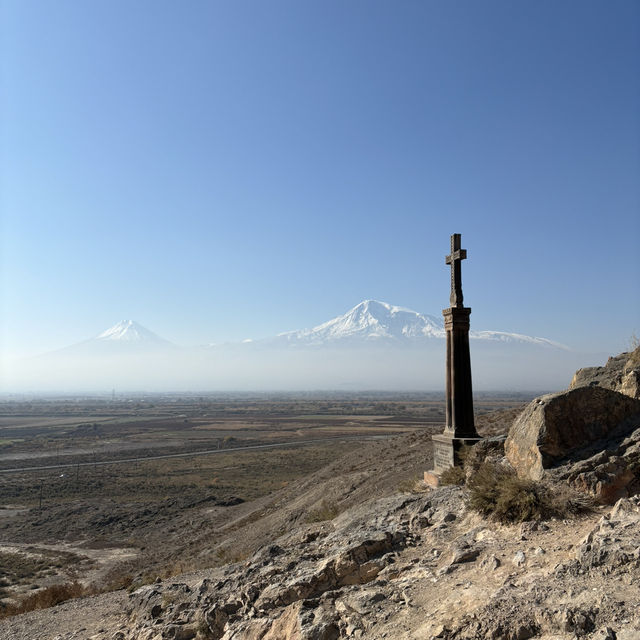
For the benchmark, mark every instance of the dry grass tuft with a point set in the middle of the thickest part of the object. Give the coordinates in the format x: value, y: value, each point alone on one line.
x: 453, y: 476
x: 326, y: 511
x: 44, y: 598
x: 412, y: 484
x: 496, y: 491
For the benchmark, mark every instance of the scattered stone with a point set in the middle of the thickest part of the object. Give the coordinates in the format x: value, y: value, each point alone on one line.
x: 490, y: 563
x: 464, y: 554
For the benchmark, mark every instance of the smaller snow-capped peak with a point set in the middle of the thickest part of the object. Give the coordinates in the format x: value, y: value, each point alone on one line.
x: 129, y: 331
x: 126, y: 337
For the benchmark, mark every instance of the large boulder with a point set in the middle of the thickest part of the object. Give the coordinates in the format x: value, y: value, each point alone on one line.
x: 620, y: 373
x: 571, y: 425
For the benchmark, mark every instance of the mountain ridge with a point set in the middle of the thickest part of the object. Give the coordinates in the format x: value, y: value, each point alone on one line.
x: 369, y: 323
x: 373, y: 321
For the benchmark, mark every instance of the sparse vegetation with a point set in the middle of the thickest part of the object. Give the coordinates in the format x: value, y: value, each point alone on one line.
x: 47, y: 597
x: 412, y: 484
x: 496, y: 491
x: 453, y: 476
x: 326, y: 511
x: 123, y: 510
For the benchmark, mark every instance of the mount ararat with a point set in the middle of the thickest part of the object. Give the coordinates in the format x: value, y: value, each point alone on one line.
x: 374, y: 345
x: 372, y: 321
x: 369, y: 323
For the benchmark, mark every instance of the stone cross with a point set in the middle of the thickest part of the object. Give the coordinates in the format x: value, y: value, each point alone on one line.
x: 455, y: 260
x: 459, y: 430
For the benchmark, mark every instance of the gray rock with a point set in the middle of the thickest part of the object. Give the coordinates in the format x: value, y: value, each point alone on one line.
x: 490, y: 563
x: 611, y: 473
x: 615, y: 541
x: 563, y: 425
x: 464, y: 554
x: 620, y: 373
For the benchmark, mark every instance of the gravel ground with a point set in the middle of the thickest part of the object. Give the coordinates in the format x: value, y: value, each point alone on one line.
x: 98, y: 618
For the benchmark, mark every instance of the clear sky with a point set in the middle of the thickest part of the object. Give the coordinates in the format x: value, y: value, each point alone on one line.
x: 223, y: 170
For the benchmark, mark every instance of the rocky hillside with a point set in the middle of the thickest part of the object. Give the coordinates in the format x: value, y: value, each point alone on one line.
x: 358, y: 551
x: 414, y: 566
x: 620, y: 373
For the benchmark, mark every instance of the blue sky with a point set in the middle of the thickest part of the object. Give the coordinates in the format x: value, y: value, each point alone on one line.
x: 224, y: 170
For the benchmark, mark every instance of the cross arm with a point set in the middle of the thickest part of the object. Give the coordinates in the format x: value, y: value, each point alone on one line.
x: 460, y: 254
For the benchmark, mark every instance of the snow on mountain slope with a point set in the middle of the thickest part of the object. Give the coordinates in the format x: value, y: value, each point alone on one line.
x: 374, y: 345
x: 372, y: 321
x: 130, y: 331
x: 368, y: 324
x: 125, y: 337
x: 502, y: 336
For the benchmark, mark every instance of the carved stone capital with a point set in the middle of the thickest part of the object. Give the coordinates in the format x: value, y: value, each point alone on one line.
x: 456, y: 317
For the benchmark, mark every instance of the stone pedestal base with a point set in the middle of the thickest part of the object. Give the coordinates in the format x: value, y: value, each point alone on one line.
x: 446, y: 453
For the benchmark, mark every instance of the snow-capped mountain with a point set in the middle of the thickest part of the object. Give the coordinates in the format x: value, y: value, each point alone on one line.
x: 130, y: 331
x: 371, y: 322
x: 124, y: 338
x: 374, y: 345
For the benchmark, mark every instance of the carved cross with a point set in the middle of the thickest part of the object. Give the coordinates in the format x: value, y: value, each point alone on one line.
x: 455, y: 260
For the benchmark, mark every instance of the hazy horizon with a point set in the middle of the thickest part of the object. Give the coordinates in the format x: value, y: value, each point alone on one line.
x: 229, y: 171
x: 496, y: 367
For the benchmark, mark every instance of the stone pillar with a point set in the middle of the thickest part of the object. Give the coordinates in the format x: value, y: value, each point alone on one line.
x: 459, y: 413
x: 459, y: 425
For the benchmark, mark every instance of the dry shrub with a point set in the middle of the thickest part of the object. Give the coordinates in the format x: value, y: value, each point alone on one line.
x: 452, y: 476
x: 412, y: 484
x: 456, y: 475
x: 496, y: 491
x: 326, y: 511
x: 48, y: 597
x: 567, y: 501
x: 228, y: 555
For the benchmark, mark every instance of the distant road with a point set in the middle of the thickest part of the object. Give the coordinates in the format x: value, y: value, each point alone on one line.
x: 193, y: 454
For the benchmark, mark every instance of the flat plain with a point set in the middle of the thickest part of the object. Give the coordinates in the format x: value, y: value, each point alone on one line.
x: 111, y: 492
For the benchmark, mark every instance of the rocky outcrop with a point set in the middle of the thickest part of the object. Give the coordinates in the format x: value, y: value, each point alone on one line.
x: 609, y: 474
x: 620, y: 373
x: 312, y: 584
x: 571, y: 425
x: 414, y: 566
x: 573, y: 601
